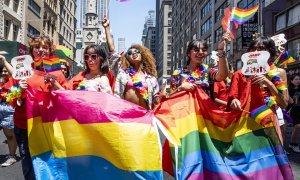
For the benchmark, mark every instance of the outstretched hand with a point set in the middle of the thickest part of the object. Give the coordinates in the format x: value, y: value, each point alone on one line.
x: 105, y: 22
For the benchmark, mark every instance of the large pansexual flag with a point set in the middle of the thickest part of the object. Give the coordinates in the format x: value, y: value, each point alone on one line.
x: 206, y: 143
x: 91, y: 135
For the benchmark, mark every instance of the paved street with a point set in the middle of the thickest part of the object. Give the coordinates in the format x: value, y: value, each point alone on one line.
x: 14, y: 172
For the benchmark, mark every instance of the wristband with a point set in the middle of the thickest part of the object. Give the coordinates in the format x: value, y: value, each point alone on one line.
x: 221, y: 55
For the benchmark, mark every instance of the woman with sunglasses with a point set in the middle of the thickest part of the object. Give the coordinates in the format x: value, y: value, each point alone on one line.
x: 136, y: 77
x: 40, y: 48
x: 261, y: 86
x: 135, y: 73
x: 196, y: 73
x: 94, y: 78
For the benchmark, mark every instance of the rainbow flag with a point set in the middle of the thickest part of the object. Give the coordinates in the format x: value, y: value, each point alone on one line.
x: 241, y: 16
x: 52, y: 64
x: 206, y: 143
x: 262, y: 115
x: 284, y: 59
x: 91, y: 135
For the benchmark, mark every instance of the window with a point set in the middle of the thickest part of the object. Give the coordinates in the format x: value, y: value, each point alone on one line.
x: 15, y: 32
x: 6, y: 2
x: 280, y: 22
x: 206, y: 26
x: 206, y: 9
x: 219, y: 14
x: 294, y: 48
x: 16, y: 5
x: 169, y: 72
x: 34, y: 7
x: 208, y: 41
x: 294, y: 15
x: 6, y: 28
x: 169, y: 63
x: 218, y: 34
x: 32, y: 31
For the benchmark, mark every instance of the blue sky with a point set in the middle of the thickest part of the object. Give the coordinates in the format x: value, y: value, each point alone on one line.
x: 127, y: 19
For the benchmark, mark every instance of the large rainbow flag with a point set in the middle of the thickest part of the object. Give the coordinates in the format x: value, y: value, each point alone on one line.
x: 206, y: 143
x: 91, y: 135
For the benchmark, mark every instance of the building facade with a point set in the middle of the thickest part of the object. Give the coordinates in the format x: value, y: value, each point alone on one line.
x: 66, y: 25
x: 121, y: 45
x: 149, y: 22
x: 163, y: 40
x: 288, y: 22
x: 12, y: 22
x: 150, y: 40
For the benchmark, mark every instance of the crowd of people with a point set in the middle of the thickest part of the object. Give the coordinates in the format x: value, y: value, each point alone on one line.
x: 133, y: 77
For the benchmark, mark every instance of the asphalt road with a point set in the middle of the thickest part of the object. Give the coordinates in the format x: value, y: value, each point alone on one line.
x: 14, y: 172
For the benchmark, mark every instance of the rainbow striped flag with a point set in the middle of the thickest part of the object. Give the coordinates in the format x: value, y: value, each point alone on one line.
x: 284, y: 59
x: 52, y: 64
x: 91, y: 135
x: 206, y: 143
x: 241, y: 16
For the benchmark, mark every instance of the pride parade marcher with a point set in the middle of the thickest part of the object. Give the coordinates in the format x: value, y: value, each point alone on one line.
x: 7, y: 118
x: 135, y: 72
x: 41, y: 49
x: 265, y: 87
x: 294, y: 108
x: 65, y: 68
x: 196, y: 73
x: 221, y: 89
x: 94, y: 78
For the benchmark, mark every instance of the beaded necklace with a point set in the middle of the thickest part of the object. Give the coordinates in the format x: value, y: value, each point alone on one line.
x: 138, y: 84
x: 199, y: 76
x: 273, y: 75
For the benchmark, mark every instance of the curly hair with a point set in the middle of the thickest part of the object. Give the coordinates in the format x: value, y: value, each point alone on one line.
x: 148, y: 61
x: 36, y: 42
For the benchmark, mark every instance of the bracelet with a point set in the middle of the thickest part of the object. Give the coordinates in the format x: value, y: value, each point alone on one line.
x: 221, y: 55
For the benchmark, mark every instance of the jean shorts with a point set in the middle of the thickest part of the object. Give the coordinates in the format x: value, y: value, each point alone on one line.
x: 6, y: 115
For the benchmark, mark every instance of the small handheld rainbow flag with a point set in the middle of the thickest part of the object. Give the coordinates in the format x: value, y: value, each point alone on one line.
x: 284, y: 59
x: 241, y: 16
x: 262, y: 115
x: 237, y: 16
x: 51, y: 64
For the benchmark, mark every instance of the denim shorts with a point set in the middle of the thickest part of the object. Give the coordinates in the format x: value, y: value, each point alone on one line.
x: 6, y: 115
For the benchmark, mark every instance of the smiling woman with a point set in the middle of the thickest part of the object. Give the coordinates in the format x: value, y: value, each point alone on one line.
x: 95, y: 77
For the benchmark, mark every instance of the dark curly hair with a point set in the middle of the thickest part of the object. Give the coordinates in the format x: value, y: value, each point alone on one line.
x: 148, y: 61
x: 104, y: 64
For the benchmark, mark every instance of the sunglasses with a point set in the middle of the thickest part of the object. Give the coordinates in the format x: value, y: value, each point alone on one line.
x: 38, y: 36
x: 88, y: 56
x: 133, y: 51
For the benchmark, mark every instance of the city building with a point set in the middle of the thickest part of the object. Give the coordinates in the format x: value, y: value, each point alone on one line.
x: 163, y: 40
x: 66, y: 28
x: 88, y: 23
x: 121, y: 45
x: 288, y: 22
x: 13, y: 31
x: 149, y: 22
x: 150, y: 39
x: 102, y: 9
